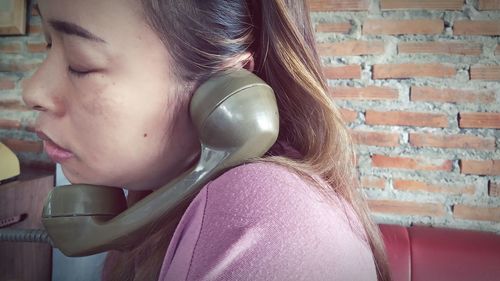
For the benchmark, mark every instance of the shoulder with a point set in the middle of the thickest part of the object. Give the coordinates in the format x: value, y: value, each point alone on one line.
x: 259, y: 187
x: 256, y: 174
x: 262, y: 220
x: 266, y: 220
x: 270, y: 191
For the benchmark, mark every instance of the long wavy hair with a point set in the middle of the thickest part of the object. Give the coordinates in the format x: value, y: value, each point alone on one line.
x: 202, y: 36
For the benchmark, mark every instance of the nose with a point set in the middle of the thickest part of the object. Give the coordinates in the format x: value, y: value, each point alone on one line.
x: 42, y: 91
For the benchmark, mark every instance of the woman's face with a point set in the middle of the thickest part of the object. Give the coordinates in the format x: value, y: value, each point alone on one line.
x: 111, y: 111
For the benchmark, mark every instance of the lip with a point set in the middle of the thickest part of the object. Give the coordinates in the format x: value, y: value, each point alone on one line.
x: 53, y: 150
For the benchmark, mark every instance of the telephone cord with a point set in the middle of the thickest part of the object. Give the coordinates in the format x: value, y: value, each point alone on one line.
x: 25, y: 235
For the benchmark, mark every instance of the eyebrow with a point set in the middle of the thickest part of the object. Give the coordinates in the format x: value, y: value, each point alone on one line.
x: 71, y: 28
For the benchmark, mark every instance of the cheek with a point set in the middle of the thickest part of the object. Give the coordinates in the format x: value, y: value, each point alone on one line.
x: 121, y: 154
x: 120, y: 131
x: 121, y: 123
x: 91, y: 98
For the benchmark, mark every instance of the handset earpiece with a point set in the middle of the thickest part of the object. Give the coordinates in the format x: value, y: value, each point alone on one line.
x: 236, y: 116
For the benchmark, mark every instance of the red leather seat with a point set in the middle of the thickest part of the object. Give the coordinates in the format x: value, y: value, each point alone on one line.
x: 397, y: 241
x: 421, y: 253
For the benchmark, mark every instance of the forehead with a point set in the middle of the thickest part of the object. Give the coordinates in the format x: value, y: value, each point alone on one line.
x: 107, y: 18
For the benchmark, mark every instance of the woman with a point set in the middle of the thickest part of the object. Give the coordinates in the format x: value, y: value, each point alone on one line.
x: 113, y: 96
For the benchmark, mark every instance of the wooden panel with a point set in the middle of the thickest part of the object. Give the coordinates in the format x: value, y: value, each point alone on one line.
x: 25, y: 261
x: 12, y: 17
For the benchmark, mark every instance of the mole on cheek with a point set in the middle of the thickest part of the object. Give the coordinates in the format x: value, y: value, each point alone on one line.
x: 145, y: 135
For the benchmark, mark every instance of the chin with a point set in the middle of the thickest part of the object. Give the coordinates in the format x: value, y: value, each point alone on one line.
x: 76, y: 177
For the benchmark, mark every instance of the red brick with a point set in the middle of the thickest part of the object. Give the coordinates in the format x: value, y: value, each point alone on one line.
x: 476, y: 27
x: 336, y: 27
x: 406, y: 208
x: 451, y: 95
x: 338, y: 5
x: 413, y: 70
x: 372, y: 182
x: 13, y: 105
x: 351, y: 48
x: 479, y: 120
x: 366, y: 93
x: 9, y: 124
x: 485, y: 72
x: 452, y: 141
x: 489, y: 4
x: 494, y: 189
x: 468, y: 212
x: 7, y: 84
x: 403, y: 118
x: 421, y: 4
x: 413, y: 185
x: 17, y: 66
x: 34, y: 29
x: 10, y: 48
x: 23, y: 145
x: 443, y: 48
x: 348, y: 115
x: 37, y: 47
x: 23, y: 81
x: 497, y: 51
x: 397, y: 27
x: 375, y: 138
x: 480, y: 167
x: 343, y: 72
x: 418, y: 163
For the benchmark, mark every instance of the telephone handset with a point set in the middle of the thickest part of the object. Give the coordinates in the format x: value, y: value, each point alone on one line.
x: 236, y: 116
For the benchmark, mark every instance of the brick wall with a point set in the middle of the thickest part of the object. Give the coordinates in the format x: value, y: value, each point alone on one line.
x: 417, y: 82
x: 19, y: 57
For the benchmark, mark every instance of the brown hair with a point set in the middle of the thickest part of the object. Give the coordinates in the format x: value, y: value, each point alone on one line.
x: 202, y: 37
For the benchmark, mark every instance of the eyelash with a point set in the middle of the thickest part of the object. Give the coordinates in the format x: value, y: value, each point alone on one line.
x: 77, y: 73
x: 71, y: 70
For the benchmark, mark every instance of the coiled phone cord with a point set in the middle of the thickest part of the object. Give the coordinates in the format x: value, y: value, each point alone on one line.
x: 25, y: 235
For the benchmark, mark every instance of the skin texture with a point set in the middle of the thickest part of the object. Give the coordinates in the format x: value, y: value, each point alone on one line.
x: 124, y: 116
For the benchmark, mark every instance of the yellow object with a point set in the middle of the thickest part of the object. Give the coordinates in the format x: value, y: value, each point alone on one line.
x: 9, y: 164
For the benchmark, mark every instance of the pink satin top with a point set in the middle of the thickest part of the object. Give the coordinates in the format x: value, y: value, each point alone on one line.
x: 261, y: 221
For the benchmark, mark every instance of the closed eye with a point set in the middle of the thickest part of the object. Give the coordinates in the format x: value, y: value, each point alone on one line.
x: 78, y: 73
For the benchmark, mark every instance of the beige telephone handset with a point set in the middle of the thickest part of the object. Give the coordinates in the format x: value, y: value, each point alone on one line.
x: 236, y: 116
